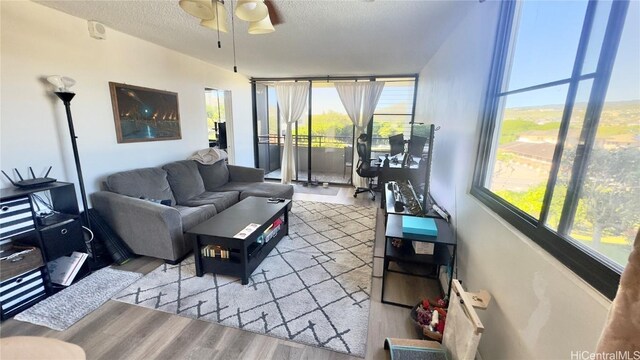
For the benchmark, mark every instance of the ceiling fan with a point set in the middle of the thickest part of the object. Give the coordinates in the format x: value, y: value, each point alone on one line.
x: 262, y: 15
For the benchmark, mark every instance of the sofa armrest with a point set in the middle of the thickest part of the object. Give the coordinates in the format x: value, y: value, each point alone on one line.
x: 148, y: 228
x: 245, y: 174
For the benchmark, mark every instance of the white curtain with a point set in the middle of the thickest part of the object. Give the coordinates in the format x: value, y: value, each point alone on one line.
x: 359, y: 100
x: 292, y: 100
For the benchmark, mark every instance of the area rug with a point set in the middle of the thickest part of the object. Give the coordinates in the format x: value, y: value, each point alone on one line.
x: 317, y: 190
x: 313, y: 287
x: 67, y: 307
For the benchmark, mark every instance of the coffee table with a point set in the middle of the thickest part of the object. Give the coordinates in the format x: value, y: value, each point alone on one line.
x: 243, y: 255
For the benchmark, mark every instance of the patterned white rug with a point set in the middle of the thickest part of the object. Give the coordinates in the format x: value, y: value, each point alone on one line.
x: 313, y: 288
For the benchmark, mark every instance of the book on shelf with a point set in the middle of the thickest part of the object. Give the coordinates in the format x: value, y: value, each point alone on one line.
x: 215, y: 251
x: 271, y: 234
x: 64, y: 269
x: 272, y: 230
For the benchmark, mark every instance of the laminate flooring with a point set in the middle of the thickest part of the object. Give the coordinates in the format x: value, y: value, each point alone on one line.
x: 122, y: 331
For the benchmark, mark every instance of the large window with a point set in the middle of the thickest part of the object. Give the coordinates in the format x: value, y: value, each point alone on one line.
x: 559, y: 154
x: 323, y: 137
x: 393, y: 114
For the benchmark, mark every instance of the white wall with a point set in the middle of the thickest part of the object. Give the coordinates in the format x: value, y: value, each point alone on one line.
x: 38, y: 41
x: 540, y: 309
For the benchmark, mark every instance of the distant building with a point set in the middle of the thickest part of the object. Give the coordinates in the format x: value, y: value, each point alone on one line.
x: 541, y: 151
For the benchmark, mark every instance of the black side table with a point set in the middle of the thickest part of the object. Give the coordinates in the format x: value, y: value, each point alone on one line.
x: 405, y: 254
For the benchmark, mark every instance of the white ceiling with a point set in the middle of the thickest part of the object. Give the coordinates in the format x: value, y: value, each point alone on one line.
x: 319, y: 37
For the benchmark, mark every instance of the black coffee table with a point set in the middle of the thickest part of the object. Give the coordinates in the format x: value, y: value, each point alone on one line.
x: 243, y: 255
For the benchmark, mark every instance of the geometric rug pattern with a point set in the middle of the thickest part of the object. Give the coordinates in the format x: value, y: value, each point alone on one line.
x: 313, y: 288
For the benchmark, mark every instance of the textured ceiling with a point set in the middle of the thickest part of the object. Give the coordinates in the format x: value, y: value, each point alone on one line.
x: 319, y: 37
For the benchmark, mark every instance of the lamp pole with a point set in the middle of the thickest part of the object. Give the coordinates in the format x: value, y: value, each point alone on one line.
x: 66, y: 100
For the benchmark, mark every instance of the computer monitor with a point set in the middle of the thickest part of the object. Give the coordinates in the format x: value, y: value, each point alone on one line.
x: 397, y: 144
x: 416, y: 145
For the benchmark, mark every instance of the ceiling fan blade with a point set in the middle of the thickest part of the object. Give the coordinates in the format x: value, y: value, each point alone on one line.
x: 274, y: 13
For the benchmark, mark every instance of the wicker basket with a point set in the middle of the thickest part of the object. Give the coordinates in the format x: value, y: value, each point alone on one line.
x: 422, y: 331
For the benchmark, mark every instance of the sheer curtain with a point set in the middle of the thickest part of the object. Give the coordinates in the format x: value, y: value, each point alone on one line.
x: 292, y: 100
x: 359, y: 100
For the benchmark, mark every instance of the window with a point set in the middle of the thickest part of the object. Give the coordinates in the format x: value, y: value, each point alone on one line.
x: 323, y: 137
x: 559, y: 155
x: 393, y: 114
x: 215, y: 101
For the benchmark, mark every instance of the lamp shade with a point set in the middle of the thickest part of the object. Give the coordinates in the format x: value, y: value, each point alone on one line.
x: 263, y: 26
x: 251, y: 10
x: 61, y: 83
x: 213, y: 24
x: 202, y: 9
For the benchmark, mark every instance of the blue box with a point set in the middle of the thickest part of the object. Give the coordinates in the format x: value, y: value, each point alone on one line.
x: 419, y: 226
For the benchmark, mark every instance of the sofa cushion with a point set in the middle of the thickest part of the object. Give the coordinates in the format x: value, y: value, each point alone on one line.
x: 214, y: 175
x: 192, y: 216
x: 149, y: 183
x: 221, y: 200
x: 259, y: 189
x: 185, y: 180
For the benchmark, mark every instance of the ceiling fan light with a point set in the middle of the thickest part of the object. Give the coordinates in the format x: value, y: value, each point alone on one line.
x: 213, y: 24
x: 201, y: 9
x: 251, y: 10
x: 263, y: 26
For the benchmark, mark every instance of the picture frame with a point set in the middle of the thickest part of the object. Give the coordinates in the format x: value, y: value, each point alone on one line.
x: 144, y: 114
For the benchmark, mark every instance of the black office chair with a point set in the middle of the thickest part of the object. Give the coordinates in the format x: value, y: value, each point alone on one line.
x: 364, y: 168
x: 396, y: 143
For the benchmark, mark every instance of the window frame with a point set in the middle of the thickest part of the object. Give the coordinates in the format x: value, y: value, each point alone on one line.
x: 600, y: 272
x: 311, y: 79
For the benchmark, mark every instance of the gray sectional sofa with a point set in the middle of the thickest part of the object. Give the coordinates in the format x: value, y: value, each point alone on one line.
x: 191, y: 193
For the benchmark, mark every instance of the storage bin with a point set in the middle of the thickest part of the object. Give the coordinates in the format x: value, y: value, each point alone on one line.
x: 20, y: 264
x: 16, y: 218
x: 62, y: 239
x: 20, y: 292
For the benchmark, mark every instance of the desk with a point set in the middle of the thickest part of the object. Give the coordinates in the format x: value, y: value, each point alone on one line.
x: 405, y: 254
x: 387, y: 203
x: 414, y: 174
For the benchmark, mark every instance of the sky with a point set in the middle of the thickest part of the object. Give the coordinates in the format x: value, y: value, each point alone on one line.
x: 546, y: 45
x: 326, y: 99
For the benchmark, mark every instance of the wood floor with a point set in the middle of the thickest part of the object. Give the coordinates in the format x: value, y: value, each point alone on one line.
x: 123, y: 331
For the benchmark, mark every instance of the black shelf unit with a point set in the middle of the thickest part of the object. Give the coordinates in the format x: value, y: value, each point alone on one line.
x: 57, y: 235
x: 444, y: 252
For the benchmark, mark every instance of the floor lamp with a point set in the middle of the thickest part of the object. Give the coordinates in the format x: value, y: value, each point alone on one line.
x: 62, y: 85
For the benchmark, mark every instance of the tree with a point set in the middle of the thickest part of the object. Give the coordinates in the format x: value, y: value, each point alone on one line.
x: 610, y: 196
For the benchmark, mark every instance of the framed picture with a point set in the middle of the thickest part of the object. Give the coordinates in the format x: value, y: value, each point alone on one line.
x: 143, y: 114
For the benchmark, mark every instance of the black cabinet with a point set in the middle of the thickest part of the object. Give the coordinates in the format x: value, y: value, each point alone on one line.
x: 52, y: 222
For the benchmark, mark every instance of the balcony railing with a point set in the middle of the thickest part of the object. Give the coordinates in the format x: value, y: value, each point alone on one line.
x: 331, y: 156
x: 377, y: 143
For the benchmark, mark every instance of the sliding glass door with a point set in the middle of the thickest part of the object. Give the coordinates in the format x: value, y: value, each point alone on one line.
x: 271, y: 136
x: 323, y: 145
x: 331, y: 136
x: 268, y: 129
